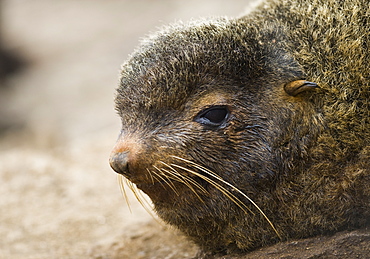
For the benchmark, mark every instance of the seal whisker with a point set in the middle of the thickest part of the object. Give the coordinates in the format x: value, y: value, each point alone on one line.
x: 134, y: 190
x: 188, y: 181
x: 205, y: 170
x: 154, y: 176
x: 184, y: 178
x: 227, y: 193
x: 151, y: 177
x: 140, y: 198
x: 168, y: 182
x: 121, y: 179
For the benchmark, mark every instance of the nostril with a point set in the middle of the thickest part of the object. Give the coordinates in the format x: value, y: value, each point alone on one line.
x: 119, y: 162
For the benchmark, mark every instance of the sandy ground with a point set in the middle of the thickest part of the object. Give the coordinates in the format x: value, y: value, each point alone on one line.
x: 58, y: 196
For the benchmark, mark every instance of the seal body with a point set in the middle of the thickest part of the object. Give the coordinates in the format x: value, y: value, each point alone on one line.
x: 248, y: 131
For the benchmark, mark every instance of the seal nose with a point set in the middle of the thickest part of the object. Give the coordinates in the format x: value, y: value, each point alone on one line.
x: 119, y: 162
x: 124, y: 156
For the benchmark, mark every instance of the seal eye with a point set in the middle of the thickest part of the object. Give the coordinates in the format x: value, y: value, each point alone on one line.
x: 214, y: 116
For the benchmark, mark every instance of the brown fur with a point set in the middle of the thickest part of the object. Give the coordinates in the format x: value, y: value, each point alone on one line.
x: 300, y: 154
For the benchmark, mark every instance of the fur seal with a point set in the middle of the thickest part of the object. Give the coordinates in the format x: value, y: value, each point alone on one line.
x: 247, y: 131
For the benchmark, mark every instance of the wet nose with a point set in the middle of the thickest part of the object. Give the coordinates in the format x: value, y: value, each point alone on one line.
x: 119, y: 162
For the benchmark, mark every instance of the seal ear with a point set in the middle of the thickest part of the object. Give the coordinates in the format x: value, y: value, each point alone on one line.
x: 298, y: 86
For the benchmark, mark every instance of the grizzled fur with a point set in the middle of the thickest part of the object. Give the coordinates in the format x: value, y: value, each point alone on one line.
x: 303, y: 159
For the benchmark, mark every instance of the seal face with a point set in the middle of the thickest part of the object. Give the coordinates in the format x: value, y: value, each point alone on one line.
x: 236, y: 136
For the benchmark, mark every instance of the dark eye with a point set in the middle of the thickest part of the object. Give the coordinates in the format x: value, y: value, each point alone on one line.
x: 214, y: 116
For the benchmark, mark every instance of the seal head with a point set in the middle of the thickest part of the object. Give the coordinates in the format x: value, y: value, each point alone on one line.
x: 230, y: 136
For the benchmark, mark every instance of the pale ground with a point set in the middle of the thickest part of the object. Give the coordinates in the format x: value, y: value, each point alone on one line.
x: 58, y: 196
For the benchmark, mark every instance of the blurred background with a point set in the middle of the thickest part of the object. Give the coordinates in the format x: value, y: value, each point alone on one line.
x: 59, y: 67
